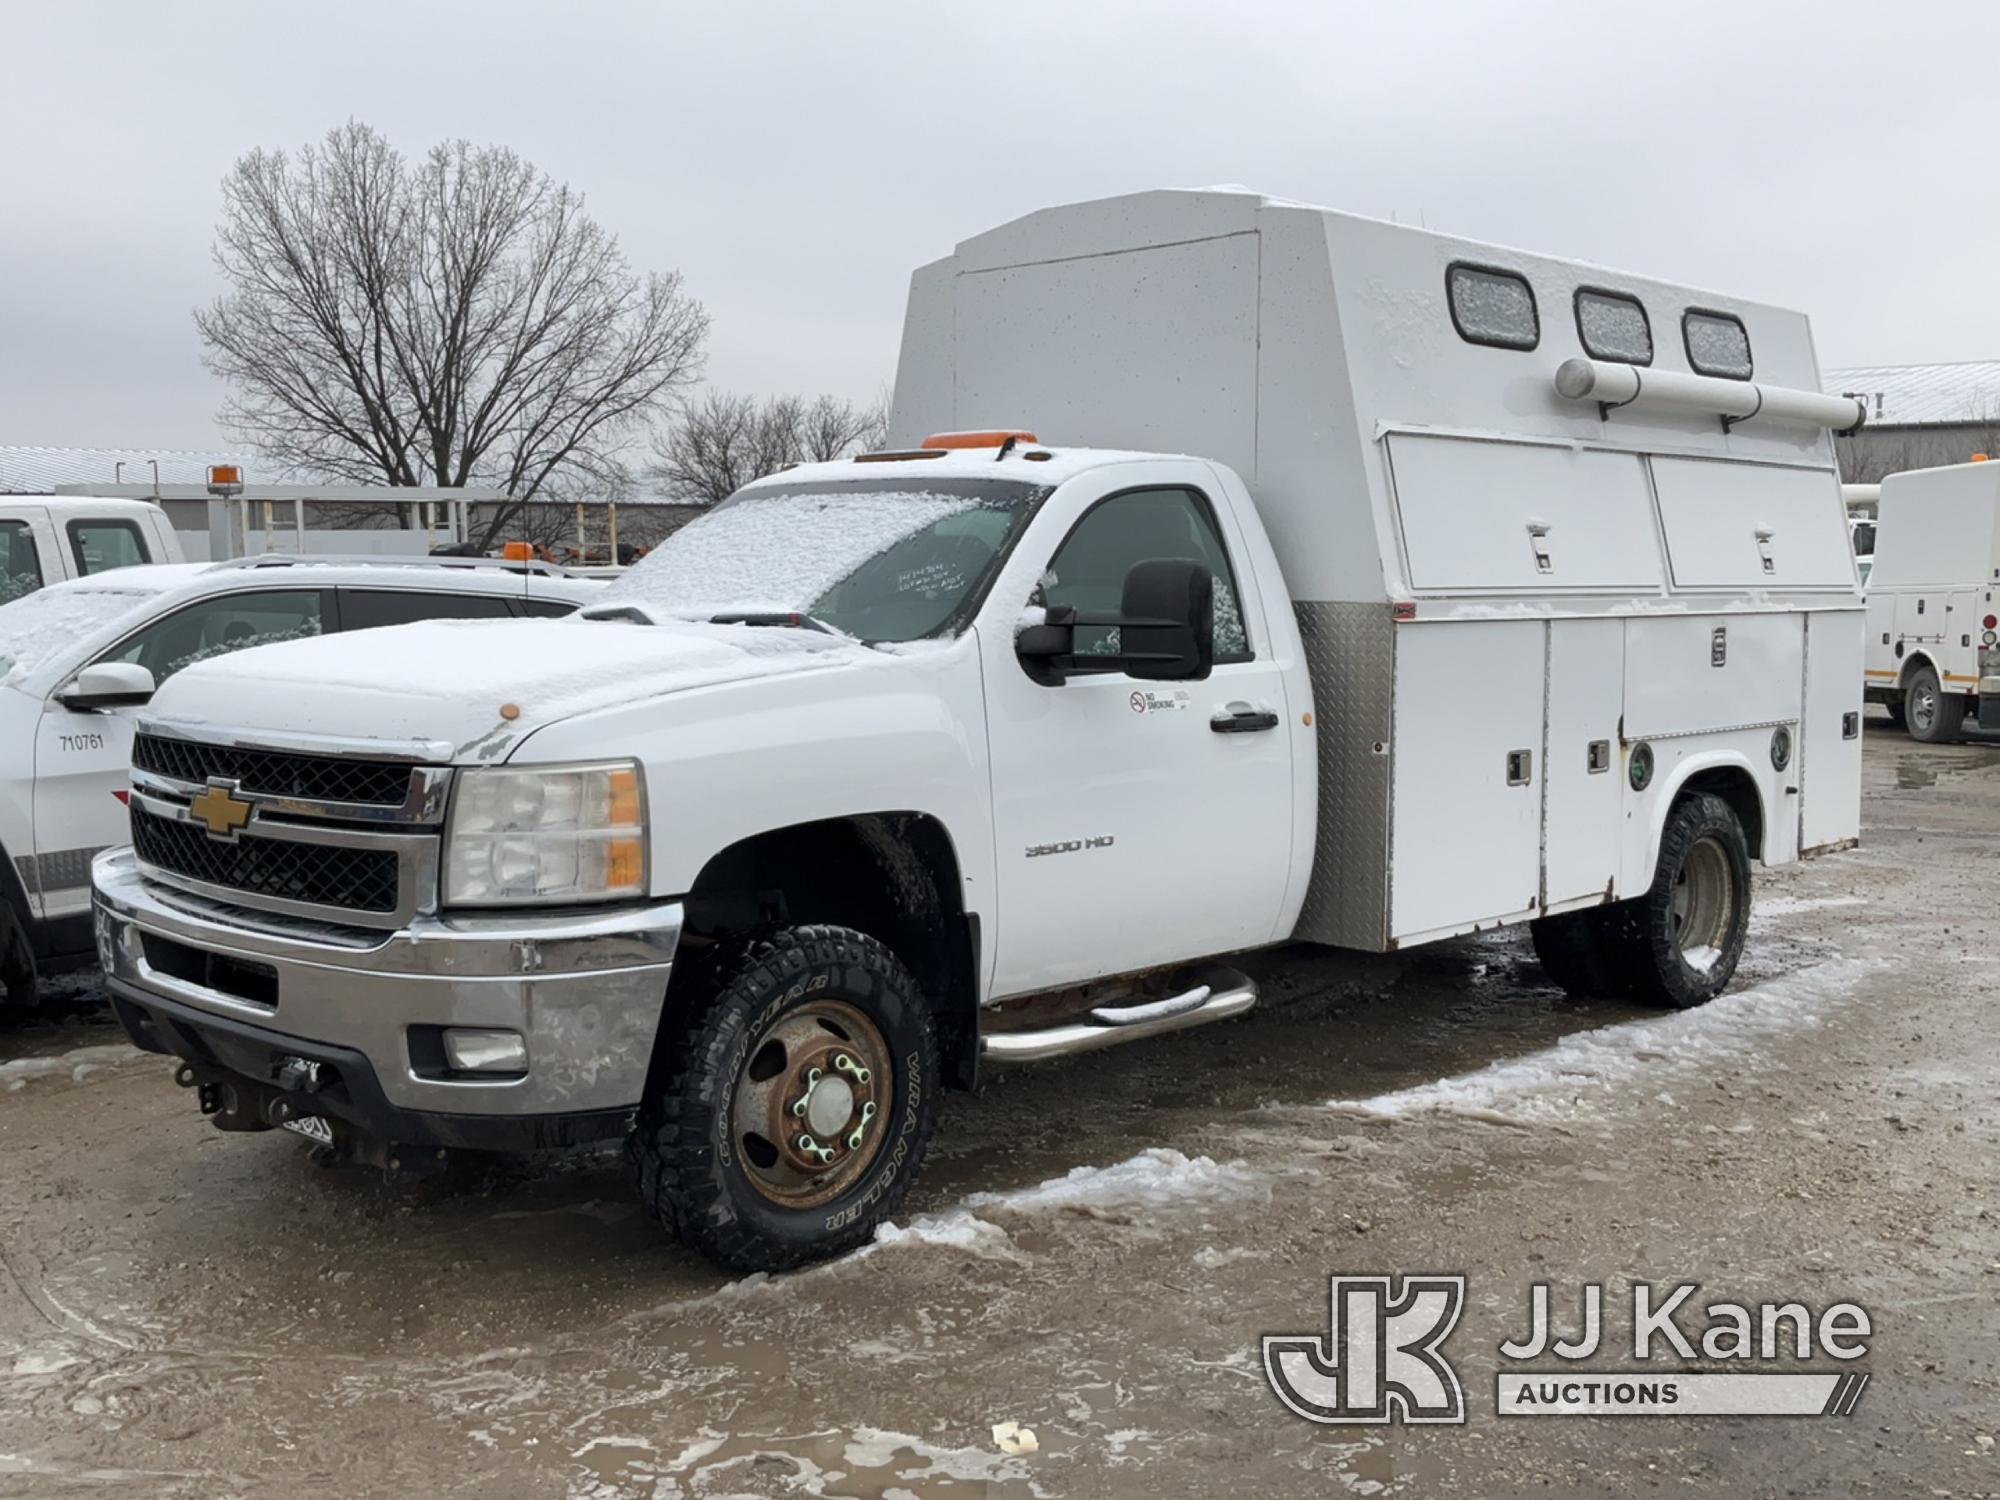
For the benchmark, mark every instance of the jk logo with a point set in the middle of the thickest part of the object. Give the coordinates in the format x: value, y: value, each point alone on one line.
x: 1379, y: 1360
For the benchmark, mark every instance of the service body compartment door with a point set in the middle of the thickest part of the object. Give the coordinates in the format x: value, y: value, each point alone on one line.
x: 1582, y: 768
x: 1829, y: 770
x: 1689, y: 673
x: 1883, y: 665
x: 1466, y: 806
x: 1481, y: 514
x: 1920, y: 619
x: 1736, y: 525
x: 1960, y: 654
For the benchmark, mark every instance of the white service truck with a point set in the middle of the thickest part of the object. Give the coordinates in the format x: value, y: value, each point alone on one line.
x: 1407, y: 587
x: 79, y: 656
x: 47, y: 538
x: 1933, y: 656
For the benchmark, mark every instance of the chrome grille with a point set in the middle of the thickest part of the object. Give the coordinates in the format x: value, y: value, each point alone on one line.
x: 309, y: 874
x: 276, y: 773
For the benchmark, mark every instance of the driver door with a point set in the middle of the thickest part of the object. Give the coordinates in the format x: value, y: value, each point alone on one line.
x: 1130, y: 829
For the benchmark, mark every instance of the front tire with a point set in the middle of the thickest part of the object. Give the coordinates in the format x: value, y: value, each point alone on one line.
x: 794, y: 1100
x: 1682, y: 940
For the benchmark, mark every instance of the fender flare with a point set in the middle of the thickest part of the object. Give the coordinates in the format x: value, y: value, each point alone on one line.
x: 1695, y: 765
x: 1909, y: 662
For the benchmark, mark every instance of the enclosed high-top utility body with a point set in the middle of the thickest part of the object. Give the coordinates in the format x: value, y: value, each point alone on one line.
x: 1531, y: 515
x: 1933, y: 653
x: 1371, y: 587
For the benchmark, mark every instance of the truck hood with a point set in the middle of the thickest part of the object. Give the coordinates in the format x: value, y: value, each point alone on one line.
x: 477, y: 687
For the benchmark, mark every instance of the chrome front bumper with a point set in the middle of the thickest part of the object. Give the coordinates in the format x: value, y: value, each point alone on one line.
x: 585, y: 990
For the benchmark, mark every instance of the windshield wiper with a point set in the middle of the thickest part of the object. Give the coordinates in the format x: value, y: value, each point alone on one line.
x: 790, y: 620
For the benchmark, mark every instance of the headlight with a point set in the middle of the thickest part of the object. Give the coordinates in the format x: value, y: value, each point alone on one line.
x: 543, y: 834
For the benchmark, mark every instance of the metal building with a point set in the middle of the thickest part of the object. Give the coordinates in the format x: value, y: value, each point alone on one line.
x: 1919, y: 416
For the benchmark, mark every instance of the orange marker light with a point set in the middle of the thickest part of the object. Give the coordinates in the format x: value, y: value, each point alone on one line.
x: 990, y: 439
x: 625, y: 862
x: 624, y: 809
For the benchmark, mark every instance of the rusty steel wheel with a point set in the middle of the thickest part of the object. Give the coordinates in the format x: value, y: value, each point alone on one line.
x: 812, y: 1103
x: 793, y: 1094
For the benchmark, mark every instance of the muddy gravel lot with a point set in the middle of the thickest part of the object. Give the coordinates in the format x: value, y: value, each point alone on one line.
x: 1096, y: 1246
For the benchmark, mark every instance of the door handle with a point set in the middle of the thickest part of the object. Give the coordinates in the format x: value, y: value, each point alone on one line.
x: 1240, y: 718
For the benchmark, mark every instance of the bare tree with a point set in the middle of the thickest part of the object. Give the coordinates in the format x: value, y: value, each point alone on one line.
x: 832, y: 427
x: 712, y: 447
x: 455, y: 321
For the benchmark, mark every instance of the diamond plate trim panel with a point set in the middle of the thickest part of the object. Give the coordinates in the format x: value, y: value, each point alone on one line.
x: 59, y: 870
x: 1351, y: 656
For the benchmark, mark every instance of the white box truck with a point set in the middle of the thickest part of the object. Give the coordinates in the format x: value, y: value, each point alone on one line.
x: 1933, y: 655
x: 1374, y: 586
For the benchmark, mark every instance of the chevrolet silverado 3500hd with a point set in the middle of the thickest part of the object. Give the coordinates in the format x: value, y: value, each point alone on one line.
x: 1504, y: 590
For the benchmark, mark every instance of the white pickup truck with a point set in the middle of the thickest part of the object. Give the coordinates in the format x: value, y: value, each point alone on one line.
x: 1478, y: 609
x: 79, y: 656
x: 47, y: 538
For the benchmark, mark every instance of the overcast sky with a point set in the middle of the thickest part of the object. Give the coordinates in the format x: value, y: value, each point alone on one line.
x: 796, y: 161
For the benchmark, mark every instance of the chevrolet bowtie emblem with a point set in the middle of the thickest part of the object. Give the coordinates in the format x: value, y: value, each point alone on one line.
x: 220, y: 811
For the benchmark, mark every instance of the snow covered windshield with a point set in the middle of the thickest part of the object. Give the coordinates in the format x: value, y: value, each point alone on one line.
x: 881, y: 560
x: 49, y: 619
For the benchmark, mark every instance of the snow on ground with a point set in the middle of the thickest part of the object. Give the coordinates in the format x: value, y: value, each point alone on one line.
x: 955, y: 1230
x: 79, y: 1064
x: 1768, y: 908
x: 1577, y: 1076
x: 1159, y: 1177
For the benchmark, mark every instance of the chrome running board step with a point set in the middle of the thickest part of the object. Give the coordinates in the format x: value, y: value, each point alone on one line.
x: 1227, y: 993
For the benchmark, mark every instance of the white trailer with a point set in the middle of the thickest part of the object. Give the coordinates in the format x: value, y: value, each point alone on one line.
x: 1533, y: 516
x: 1372, y: 586
x: 1932, y: 606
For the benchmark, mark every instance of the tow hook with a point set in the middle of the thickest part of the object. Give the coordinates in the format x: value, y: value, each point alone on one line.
x: 229, y: 1102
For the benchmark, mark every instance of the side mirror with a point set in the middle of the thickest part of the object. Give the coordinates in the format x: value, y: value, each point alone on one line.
x: 1165, y: 624
x: 108, y: 684
x: 1166, y: 630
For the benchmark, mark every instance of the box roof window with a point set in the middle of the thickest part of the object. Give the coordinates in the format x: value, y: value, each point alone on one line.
x: 1716, y: 344
x: 1613, y: 326
x: 1493, y: 307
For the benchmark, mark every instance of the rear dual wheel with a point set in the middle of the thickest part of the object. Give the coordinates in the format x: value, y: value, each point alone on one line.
x: 1678, y: 945
x: 1930, y: 714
